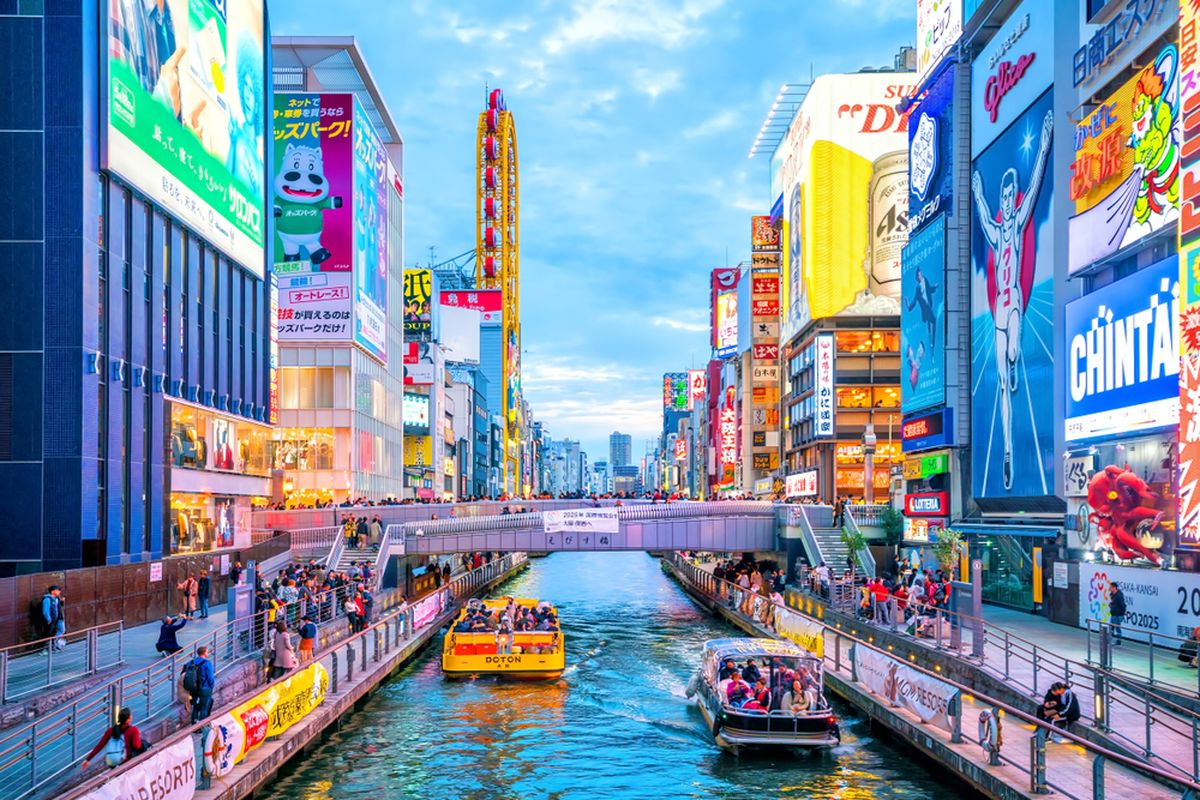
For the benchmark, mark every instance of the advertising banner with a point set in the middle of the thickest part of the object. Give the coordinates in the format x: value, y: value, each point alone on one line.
x: 698, y: 387
x: 928, y: 430
x: 419, y: 366
x: 823, y: 423
x: 843, y: 174
x: 1162, y: 601
x: 923, y: 318
x: 418, y: 303
x: 1108, y: 46
x: 903, y: 686
x: 582, y: 520
x: 765, y: 284
x: 724, y: 281
x: 803, y: 632
x: 228, y: 744
x: 931, y: 154
x: 460, y: 334
x: 1189, y: 277
x: 169, y: 774
x: 418, y: 451
x: 427, y: 610
x: 1125, y: 179
x: 768, y: 309
x: 801, y: 484
x: 370, y: 237
x: 727, y: 433
x: 676, y: 391
x: 185, y: 115
x: 922, y: 529
x: 764, y: 237
x: 765, y: 374
x: 727, y: 324
x: 927, y: 504
x: 315, y: 306
x: 1123, y: 356
x: 1012, y: 303
x: 765, y: 352
x: 488, y: 302
x: 1011, y: 72
x: 939, y: 24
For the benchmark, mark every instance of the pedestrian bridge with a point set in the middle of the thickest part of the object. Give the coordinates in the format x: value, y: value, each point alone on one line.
x: 723, y: 526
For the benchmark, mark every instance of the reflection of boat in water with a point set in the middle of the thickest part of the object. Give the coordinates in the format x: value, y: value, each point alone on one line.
x: 797, y: 713
x: 481, y: 642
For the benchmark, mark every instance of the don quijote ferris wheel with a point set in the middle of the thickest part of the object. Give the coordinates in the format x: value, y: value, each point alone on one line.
x: 497, y: 265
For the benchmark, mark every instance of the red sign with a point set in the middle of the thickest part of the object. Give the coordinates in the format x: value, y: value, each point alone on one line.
x: 681, y: 449
x: 697, y: 386
x: 767, y: 285
x: 763, y: 235
x: 255, y: 721
x: 766, y: 352
x: 728, y: 433
x: 764, y: 308
x: 723, y: 280
x: 1008, y: 74
x: 927, y: 504
x: 488, y: 302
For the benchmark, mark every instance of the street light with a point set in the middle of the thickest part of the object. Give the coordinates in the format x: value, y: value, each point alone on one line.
x: 868, y: 446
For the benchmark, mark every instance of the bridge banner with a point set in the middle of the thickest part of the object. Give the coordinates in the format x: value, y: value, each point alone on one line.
x: 427, y: 610
x: 903, y: 686
x: 170, y: 774
x: 804, y: 632
x: 582, y: 520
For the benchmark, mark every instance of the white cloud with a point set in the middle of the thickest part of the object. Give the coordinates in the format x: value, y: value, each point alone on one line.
x: 715, y: 124
x: 652, y: 22
x: 469, y: 31
x: 653, y: 82
x: 881, y: 10
x: 676, y: 324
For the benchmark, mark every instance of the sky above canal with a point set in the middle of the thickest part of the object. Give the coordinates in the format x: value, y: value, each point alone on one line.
x: 634, y: 119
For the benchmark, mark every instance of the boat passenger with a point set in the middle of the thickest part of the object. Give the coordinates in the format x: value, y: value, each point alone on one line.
x: 727, y: 670
x: 548, y: 623
x: 750, y: 672
x: 796, y: 699
x: 504, y: 636
x: 761, y: 700
x: 738, y: 693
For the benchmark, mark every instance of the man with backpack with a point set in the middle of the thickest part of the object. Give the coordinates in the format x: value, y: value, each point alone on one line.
x: 120, y: 743
x: 53, y: 620
x: 199, y: 680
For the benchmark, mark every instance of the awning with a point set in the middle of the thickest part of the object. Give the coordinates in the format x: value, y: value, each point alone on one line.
x: 1003, y: 529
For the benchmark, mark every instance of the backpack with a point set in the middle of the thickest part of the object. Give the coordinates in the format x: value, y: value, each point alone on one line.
x: 114, y: 750
x: 939, y: 592
x: 191, y: 677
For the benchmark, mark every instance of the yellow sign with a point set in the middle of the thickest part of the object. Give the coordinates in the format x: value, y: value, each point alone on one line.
x: 912, y: 468
x: 269, y: 713
x: 418, y: 451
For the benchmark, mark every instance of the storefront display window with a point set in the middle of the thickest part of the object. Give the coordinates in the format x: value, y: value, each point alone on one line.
x: 868, y: 341
x: 313, y: 387
x: 1007, y: 564
x: 302, y: 449
x: 206, y: 440
x: 868, y: 397
x: 201, y: 523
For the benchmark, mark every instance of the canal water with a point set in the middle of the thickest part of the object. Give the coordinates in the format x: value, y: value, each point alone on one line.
x: 616, y: 726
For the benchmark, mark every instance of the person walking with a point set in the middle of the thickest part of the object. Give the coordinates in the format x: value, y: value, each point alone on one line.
x: 308, y: 638
x: 199, y: 681
x: 189, y: 588
x: 1116, y: 611
x: 376, y: 531
x: 284, y: 659
x: 53, y: 619
x: 363, y: 530
x: 203, y: 589
x: 120, y: 743
x: 168, y: 644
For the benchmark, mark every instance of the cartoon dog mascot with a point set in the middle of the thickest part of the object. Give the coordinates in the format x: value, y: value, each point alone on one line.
x: 301, y: 191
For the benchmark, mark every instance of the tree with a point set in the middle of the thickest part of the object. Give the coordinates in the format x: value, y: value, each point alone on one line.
x: 892, y: 523
x: 855, y: 542
x: 946, y: 549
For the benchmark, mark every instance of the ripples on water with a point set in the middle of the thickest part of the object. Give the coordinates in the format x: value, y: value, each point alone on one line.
x: 616, y: 726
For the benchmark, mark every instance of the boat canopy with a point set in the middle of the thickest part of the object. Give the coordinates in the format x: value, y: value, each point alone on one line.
x: 721, y: 649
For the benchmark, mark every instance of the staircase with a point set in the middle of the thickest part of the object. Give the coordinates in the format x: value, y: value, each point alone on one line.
x: 833, y: 550
x: 347, y: 557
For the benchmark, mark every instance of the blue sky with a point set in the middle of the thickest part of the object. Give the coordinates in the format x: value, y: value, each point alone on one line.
x: 634, y: 119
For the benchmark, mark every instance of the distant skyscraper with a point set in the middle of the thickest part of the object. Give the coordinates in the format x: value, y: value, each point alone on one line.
x: 620, y: 447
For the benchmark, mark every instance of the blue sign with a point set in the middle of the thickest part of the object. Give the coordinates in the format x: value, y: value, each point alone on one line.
x: 923, y: 317
x: 925, y: 431
x: 931, y: 153
x: 1012, y: 305
x: 1011, y: 71
x: 1123, y: 355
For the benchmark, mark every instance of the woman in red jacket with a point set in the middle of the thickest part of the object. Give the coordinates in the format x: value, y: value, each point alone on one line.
x: 124, y: 731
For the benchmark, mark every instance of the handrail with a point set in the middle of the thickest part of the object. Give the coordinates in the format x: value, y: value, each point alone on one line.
x: 996, y: 649
x: 865, y: 514
x: 73, y: 662
x: 1154, y: 641
x: 334, y: 557
x: 796, y: 516
x: 25, y: 750
x: 1045, y: 729
x: 403, y: 625
x: 866, y: 559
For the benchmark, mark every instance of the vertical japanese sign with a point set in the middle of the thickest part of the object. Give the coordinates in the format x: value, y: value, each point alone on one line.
x: 185, y: 115
x: 823, y: 423
x: 418, y: 303
x: 1189, y: 278
x: 313, y: 191
x: 697, y: 387
x: 273, y: 354
x: 728, y: 438
x: 370, y: 237
x: 676, y: 392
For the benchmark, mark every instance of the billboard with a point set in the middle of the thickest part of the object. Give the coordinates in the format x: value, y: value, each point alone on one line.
x: 823, y: 388
x: 844, y: 178
x: 1122, y: 371
x: 676, y: 392
x: 697, y: 387
x: 1012, y: 304
x: 923, y: 318
x: 370, y: 237
x: 1162, y: 601
x: 488, y: 302
x: 1125, y: 179
x: 1189, y: 276
x: 418, y: 303
x: 185, y: 115
x: 1012, y: 71
x: 727, y: 324
x: 931, y: 154
x: 419, y: 366
x: 459, y: 335
x: 415, y: 411
x: 723, y: 281
x: 939, y: 24
x: 801, y: 484
x: 315, y: 306
x: 764, y: 237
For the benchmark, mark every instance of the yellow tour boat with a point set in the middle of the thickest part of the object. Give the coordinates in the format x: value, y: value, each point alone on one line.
x: 486, y: 638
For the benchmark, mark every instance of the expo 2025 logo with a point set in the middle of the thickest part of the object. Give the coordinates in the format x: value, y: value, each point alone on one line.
x: 1098, y: 590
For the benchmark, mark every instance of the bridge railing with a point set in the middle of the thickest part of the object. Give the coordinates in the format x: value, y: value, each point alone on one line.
x: 865, y: 514
x: 1184, y: 778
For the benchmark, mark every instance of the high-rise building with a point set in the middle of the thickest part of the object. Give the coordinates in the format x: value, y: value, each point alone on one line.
x: 620, y: 449
x: 135, y: 379
x: 341, y: 429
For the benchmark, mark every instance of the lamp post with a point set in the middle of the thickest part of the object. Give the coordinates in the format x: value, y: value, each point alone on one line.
x: 868, y: 446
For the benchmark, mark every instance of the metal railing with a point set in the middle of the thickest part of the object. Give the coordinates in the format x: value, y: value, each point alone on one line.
x: 336, y: 549
x: 356, y: 653
x: 1035, y: 766
x: 865, y: 514
x: 797, y: 516
x: 1121, y: 707
x: 865, y: 558
x: 1156, y: 649
x: 35, y: 753
x: 45, y: 663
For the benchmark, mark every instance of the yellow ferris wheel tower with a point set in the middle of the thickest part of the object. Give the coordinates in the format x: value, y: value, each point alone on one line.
x: 497, y: 266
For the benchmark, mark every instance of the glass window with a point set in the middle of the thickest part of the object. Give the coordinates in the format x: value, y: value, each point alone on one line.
x: 324, y: 390
x: 308, y: 388
x: 200, y: 523
x: 302, y: 448
x: 289, y: 390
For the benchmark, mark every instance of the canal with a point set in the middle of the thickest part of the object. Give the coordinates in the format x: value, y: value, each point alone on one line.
x: 617, y: 725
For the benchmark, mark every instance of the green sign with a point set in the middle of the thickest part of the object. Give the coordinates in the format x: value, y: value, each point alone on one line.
x: 935, y: 464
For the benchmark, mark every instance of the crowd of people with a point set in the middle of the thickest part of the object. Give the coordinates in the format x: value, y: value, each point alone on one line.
x: 653, y: 496
x: 506, y: 620
x: 754, y: 588
x: 773, y: 687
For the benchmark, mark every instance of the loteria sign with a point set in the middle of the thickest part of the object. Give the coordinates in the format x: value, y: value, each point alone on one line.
x: 927, y: 504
